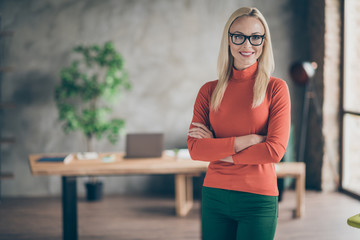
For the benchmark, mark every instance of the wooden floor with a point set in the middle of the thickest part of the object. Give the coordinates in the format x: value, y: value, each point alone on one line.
x: 153, y: 218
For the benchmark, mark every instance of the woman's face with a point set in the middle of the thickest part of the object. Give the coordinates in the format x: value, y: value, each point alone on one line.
x: 246, y: 54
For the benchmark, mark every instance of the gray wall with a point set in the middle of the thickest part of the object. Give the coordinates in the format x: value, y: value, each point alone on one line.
x: 170, y: 48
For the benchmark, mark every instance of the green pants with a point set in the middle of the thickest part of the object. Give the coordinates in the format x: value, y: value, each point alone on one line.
x: 230, y: 215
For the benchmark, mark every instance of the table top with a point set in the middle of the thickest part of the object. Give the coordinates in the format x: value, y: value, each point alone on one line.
x: 288, y: 169
x: 120, y: 165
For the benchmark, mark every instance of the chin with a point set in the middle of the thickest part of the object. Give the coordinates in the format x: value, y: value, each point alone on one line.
x: 248, y: 62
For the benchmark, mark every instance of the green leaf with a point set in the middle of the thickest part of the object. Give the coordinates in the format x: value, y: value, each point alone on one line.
x: 86, y: 88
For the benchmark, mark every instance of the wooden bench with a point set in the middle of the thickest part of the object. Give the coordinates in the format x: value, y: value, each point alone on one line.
x: 297, y: 171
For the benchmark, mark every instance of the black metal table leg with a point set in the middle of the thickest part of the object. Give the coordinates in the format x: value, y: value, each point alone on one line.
x: 69, y: 207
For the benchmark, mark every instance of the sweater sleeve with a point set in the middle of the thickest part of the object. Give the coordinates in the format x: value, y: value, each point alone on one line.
x: 207, y: 149
x: 274, y: 148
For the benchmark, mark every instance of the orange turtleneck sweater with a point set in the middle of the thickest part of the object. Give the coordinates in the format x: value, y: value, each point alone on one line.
x: 253, y: 169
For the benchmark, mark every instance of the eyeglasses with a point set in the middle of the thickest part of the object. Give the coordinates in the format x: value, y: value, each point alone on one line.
x: 238, y: 39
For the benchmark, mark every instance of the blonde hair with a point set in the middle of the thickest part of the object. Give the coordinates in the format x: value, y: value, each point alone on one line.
x: 226, y: 60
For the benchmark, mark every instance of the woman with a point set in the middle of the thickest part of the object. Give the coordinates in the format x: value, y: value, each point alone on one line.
x: 241, y: 125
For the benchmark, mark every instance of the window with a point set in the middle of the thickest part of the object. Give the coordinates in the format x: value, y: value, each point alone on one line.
x: 350, y: 176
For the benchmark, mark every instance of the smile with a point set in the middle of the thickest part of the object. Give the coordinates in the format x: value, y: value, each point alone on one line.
x: 246, y: 54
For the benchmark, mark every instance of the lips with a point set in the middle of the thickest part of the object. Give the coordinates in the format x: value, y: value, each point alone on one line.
x: 246, y: 54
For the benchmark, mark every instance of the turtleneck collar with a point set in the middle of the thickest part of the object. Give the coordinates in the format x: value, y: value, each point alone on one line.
x: 244, y: 74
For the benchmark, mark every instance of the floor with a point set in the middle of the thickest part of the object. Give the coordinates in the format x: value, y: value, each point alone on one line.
x: 153, y: 218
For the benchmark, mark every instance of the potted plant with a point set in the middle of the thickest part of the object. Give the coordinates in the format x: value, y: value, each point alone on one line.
x: 87, y: 87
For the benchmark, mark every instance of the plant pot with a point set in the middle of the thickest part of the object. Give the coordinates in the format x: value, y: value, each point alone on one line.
x: 94, y: 191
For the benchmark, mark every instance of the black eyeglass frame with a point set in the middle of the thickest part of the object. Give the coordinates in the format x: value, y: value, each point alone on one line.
x: 246, y: 37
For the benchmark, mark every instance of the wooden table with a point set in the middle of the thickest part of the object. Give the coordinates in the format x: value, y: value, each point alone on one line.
x: 297, y: 171
x: 183, y: 169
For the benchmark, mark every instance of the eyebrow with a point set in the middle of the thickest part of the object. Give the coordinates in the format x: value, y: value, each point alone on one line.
x: 255, y: 33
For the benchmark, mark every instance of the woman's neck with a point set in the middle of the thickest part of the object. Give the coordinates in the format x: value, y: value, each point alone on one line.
x: 244, y: 74
x: 242, y: 66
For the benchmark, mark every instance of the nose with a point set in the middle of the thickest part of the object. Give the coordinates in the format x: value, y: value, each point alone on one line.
x: 247, y: 43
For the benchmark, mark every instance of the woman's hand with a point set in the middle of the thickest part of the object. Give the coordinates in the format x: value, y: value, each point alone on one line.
x: 200, y: 131
x: 257, y: 138
x: 228, y: 159
x: 246, y: 141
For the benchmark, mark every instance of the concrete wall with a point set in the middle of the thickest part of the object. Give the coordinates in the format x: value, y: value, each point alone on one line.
x: 170, y: 48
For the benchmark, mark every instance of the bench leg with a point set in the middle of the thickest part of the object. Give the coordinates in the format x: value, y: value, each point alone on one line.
x: 183, y: 194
